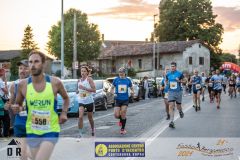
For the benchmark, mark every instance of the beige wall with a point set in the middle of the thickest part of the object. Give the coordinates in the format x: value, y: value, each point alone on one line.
x: 165, y: 60
x: 195, y: 52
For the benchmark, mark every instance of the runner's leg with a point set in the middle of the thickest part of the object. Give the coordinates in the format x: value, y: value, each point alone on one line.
x: 80, y: 120
x: 45, y: 151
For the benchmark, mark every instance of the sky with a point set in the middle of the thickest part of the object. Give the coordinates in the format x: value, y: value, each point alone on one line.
x: 116, y: 19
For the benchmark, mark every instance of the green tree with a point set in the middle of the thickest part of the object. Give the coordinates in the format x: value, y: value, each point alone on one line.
x: 227, y: 57
x: 88, y: 38
x: 189, y: 20
x: 28, y: 44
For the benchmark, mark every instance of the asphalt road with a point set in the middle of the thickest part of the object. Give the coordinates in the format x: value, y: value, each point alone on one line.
x: 216, y: 130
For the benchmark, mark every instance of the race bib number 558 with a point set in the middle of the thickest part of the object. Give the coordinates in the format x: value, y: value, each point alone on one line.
x: 41, y: 120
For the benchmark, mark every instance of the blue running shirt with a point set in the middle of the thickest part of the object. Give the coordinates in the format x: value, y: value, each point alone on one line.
x: 217, y: 82
x: 173, y: 85
x: 163, y: 83
x: 122, y: 85
x: 197, y: 81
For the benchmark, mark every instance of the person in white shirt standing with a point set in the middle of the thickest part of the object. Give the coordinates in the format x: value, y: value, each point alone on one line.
x: 146, y: 88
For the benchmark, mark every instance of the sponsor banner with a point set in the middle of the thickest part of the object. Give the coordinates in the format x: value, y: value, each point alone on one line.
x: 119, y: 149
x: 127, y: 148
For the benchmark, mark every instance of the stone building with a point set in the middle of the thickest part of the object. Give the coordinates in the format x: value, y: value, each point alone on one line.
x: 189, y: 55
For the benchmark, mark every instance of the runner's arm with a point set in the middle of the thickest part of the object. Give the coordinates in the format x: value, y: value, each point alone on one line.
x: 19, y: 99
x: 63, y: 93
x: 12, y: 98
x: 93, y: 87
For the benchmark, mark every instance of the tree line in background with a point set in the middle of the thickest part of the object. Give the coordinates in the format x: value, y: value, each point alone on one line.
x: 88, y: 38
x: 88, y: 41
x: 28, y: 44
x: 180, y: 20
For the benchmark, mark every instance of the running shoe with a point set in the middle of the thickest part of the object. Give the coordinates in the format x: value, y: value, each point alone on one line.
x: 79, y: 137
x: 218, y: 107
x: 93, y: 132
x: 171, y: 125
x: 199, y: 108
x: 202, y: 98
x: 123, y: 131
x: 181, y: 114
x: 168, y: 117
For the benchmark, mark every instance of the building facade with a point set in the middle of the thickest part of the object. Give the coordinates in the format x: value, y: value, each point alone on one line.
x: 189, y: 55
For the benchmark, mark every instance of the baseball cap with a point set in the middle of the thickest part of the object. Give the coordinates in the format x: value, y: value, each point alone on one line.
x: 23, y: 62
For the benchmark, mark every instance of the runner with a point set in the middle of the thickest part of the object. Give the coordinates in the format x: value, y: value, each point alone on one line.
x: 122, y: 83
x: 40, y: 92
x: 86, y: 87
x: 174, y: 92
x: 217, y: 87
x: 232, y: 85
x: 210, y: 87
x: 224, y: 83
x: 238, y: 83
x: 164, y: 89
x: 204, y: 86
x: 196, y: 82
x: 19, y: 126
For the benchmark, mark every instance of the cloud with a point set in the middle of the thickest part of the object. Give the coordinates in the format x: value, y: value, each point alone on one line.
x: 130, y: 9
x: 228, y: 17
x: 144, y: 10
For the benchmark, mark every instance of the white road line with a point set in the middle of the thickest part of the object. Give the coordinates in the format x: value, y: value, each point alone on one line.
x: 110, y: 114
x: 159, y: 129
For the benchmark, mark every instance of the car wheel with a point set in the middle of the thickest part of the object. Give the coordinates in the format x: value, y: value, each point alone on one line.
x: 104, y: 106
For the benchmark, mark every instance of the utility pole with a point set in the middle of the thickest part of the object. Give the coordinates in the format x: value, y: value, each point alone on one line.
x: 154, y: 46
x: 75, y: 63
x: 239, y: 55
x: 62, y: 43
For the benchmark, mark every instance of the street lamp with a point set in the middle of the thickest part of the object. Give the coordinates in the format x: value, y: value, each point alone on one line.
x: 62, y: 43
x: 154, y: 45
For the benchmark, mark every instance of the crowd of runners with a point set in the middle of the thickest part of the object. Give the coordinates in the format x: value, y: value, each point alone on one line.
x: 173, y: 86
x: 33, y: 100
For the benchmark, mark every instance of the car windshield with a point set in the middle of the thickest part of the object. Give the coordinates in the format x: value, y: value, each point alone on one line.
x: 98, y: 84
x: 70, y: 86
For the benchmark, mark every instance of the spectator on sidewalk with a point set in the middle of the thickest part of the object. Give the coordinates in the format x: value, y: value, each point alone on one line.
x: 146, y: 88
x: 4, y: 116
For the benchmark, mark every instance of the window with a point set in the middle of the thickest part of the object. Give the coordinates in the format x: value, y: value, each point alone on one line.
x: 201, y: 60
x: 140, y: 63
x: 190, y: 60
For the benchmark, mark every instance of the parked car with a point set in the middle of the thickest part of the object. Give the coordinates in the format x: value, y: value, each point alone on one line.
x: 71, y: 87
x: 135, y: 88
x: 103, y: 97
